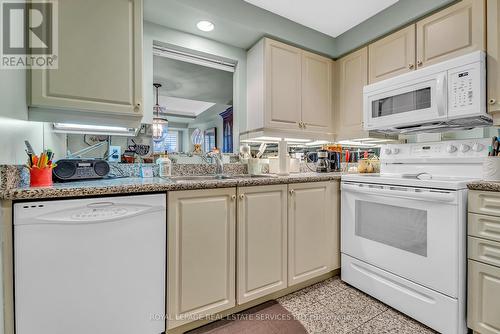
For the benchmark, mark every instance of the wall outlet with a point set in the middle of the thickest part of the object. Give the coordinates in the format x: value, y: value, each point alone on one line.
x: 115, y: 154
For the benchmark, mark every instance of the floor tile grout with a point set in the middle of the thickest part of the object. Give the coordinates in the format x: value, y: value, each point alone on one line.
x: 352, y: 330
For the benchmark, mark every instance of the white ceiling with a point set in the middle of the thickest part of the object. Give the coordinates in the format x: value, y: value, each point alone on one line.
x: 191, y: 81
x: 184, y: 107
x: 331, y: 17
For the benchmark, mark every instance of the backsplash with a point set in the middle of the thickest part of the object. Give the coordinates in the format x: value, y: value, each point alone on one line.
x: 14, y: 176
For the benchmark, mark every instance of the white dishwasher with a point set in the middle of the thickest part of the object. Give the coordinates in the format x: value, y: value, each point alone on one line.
x: 90, y: 265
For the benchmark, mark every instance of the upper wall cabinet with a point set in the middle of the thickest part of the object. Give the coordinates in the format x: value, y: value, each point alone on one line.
x: 493, y: 59
x: 99, y: 79
x: 392, y: 55
x: 316, y: 92
x: 288, y: 90
x: 452, y: 32
x: 283, y: 72
x: 352, y: 77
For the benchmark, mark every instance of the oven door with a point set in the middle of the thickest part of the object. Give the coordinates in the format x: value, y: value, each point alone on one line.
x: 410, y: 232
x: 413, y: 102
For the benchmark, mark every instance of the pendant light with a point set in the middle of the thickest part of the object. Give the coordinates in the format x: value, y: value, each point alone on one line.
x: 160, y: 124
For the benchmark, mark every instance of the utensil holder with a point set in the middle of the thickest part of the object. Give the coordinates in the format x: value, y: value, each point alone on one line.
x: 254, y: 166
x: 491, y: 169
x: 40, y: 177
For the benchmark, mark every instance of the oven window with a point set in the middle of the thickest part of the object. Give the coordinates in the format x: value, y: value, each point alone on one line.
x: 400, y: 227
x: 397, y: 104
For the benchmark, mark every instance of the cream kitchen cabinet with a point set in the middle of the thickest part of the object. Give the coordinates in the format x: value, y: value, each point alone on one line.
x: 99, y: 77
x: 317, y: 81
x: 313, y: 235
x: 451, y: 32
x: 352, y: 77
x: 201, y: 253
x: 392, y: 55
x: 483, y: 247
x: 484, y: 298
x: 493, y: 58
x: 262, y: 241
x: 289, y: 90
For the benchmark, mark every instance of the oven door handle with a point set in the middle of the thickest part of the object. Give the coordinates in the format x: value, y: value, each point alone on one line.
x: 424, y: 195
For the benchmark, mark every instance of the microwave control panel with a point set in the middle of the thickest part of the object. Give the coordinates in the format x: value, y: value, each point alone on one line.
x: 462, y: 89
x: 466, y: 90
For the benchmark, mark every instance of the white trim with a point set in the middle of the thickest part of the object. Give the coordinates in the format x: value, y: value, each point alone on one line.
x: 194, y: 59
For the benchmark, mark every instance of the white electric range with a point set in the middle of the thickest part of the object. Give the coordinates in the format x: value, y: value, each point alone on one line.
x: 403, y: 231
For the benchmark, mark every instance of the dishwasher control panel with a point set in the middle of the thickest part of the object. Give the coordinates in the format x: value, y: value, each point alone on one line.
x: 87, y: 210
x: 100, y: 213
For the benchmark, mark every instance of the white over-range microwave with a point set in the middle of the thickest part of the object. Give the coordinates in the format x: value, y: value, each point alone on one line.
x: 448, y: 95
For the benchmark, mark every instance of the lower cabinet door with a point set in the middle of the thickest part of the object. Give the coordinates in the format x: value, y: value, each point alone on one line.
x: 483, y: 310
x: 312, y: 242
x: 262, y: 241
x: 201, y: 254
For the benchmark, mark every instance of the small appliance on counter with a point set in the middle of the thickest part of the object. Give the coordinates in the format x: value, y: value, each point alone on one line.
x: 80, y: 169
x: 322, y: 162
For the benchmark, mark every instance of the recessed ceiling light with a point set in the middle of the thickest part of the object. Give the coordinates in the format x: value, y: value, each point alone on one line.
x: 205, y: 26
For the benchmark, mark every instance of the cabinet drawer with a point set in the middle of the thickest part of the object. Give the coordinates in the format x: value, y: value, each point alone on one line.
x: 484, y: 251
x: 487, y: 227
x: 485, y: 202
x: 483, y: 300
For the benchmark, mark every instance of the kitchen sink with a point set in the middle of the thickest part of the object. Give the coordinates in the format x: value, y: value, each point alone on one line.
x: 217, y: 177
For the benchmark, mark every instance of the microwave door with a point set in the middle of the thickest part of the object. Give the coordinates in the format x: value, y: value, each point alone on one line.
x: 417, y: 102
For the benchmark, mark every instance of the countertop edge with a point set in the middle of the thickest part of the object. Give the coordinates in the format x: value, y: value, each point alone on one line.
x: 493, y: 186
x: 155, y: 185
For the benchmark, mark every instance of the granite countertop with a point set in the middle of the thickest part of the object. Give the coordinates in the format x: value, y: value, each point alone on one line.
x: 156, y: 184
x: 484, y: 185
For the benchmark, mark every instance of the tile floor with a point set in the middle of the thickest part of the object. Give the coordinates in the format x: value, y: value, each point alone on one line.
x: 333, y: 306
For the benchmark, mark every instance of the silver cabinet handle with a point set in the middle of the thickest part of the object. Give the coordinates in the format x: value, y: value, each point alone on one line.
x: 419, y: 63
x: 233, y: 197
x: 242, y: 196
x: 411, y: 66
x: 291, y: 191
x: 492, y: 101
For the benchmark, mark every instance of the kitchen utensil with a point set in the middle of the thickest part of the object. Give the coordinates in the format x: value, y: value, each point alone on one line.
x: 29, y: 148
x: 262, y: 149
x: 245, y: 153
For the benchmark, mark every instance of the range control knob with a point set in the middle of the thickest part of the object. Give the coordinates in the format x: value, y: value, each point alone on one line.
x: 387, y: 151
x: 395, y: 150
x: 477, y: 147
x: 451, y: 148
x: 464, y: 148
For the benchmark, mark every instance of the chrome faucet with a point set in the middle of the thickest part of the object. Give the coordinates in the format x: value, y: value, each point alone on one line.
x: 219, y: 164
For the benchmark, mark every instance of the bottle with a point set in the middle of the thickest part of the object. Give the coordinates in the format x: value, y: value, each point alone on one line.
x: 165, y: 165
